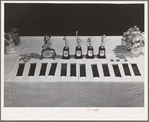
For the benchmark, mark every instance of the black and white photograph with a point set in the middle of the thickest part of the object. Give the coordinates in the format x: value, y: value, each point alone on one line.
x: 65, y: 55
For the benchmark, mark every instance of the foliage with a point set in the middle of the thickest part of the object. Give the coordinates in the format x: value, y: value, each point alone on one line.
x: 132, y: 37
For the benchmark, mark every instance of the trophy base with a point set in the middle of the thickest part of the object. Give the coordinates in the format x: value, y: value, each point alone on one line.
x: 78, y: 57
x: 48, y: 53
x: 90, y: 57
x: 101, y: 57
x: 68, y: 57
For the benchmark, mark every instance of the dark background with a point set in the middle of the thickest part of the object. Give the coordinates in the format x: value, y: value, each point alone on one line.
x: 66, y: 19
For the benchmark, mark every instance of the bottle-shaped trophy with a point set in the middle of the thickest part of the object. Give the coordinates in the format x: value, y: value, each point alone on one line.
x: 65, y: 50
x: 102, y: 50
x: 78, y: 51
x: 90, y: 50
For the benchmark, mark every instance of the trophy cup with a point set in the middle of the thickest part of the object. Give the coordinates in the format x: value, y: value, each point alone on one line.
x: 78, y: 51
x: 102, y: 50
x: 66, y: 50
x: 90, y: 50
x: 48, y: 51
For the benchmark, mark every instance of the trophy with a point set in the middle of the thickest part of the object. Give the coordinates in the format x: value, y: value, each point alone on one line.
x: 90, y: 50
x: 66, y: 50
x: 48, y: 51
x: 78, y: 51
x: 102, y: 50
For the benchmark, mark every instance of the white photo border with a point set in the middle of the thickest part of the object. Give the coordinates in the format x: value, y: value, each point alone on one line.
x: 76, y: 113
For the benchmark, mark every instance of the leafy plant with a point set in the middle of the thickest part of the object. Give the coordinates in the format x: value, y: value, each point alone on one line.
x: 9, y: 40
x: 132, y: 37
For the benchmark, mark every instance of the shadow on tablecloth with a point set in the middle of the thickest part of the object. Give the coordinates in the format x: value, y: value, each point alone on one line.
x: 123, y: 54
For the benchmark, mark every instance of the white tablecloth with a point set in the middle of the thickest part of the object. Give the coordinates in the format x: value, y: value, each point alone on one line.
x: 70, y: 94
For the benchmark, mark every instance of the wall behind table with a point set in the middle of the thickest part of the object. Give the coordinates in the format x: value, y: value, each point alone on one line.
x: 65, y: 19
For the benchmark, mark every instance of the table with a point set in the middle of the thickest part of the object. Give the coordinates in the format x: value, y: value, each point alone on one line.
x: 71, y: 92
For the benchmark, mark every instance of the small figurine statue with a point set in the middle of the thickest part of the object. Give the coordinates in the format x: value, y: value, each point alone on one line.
x: 78, y: 52
x: 102, y: 50
x: 48, y: 51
